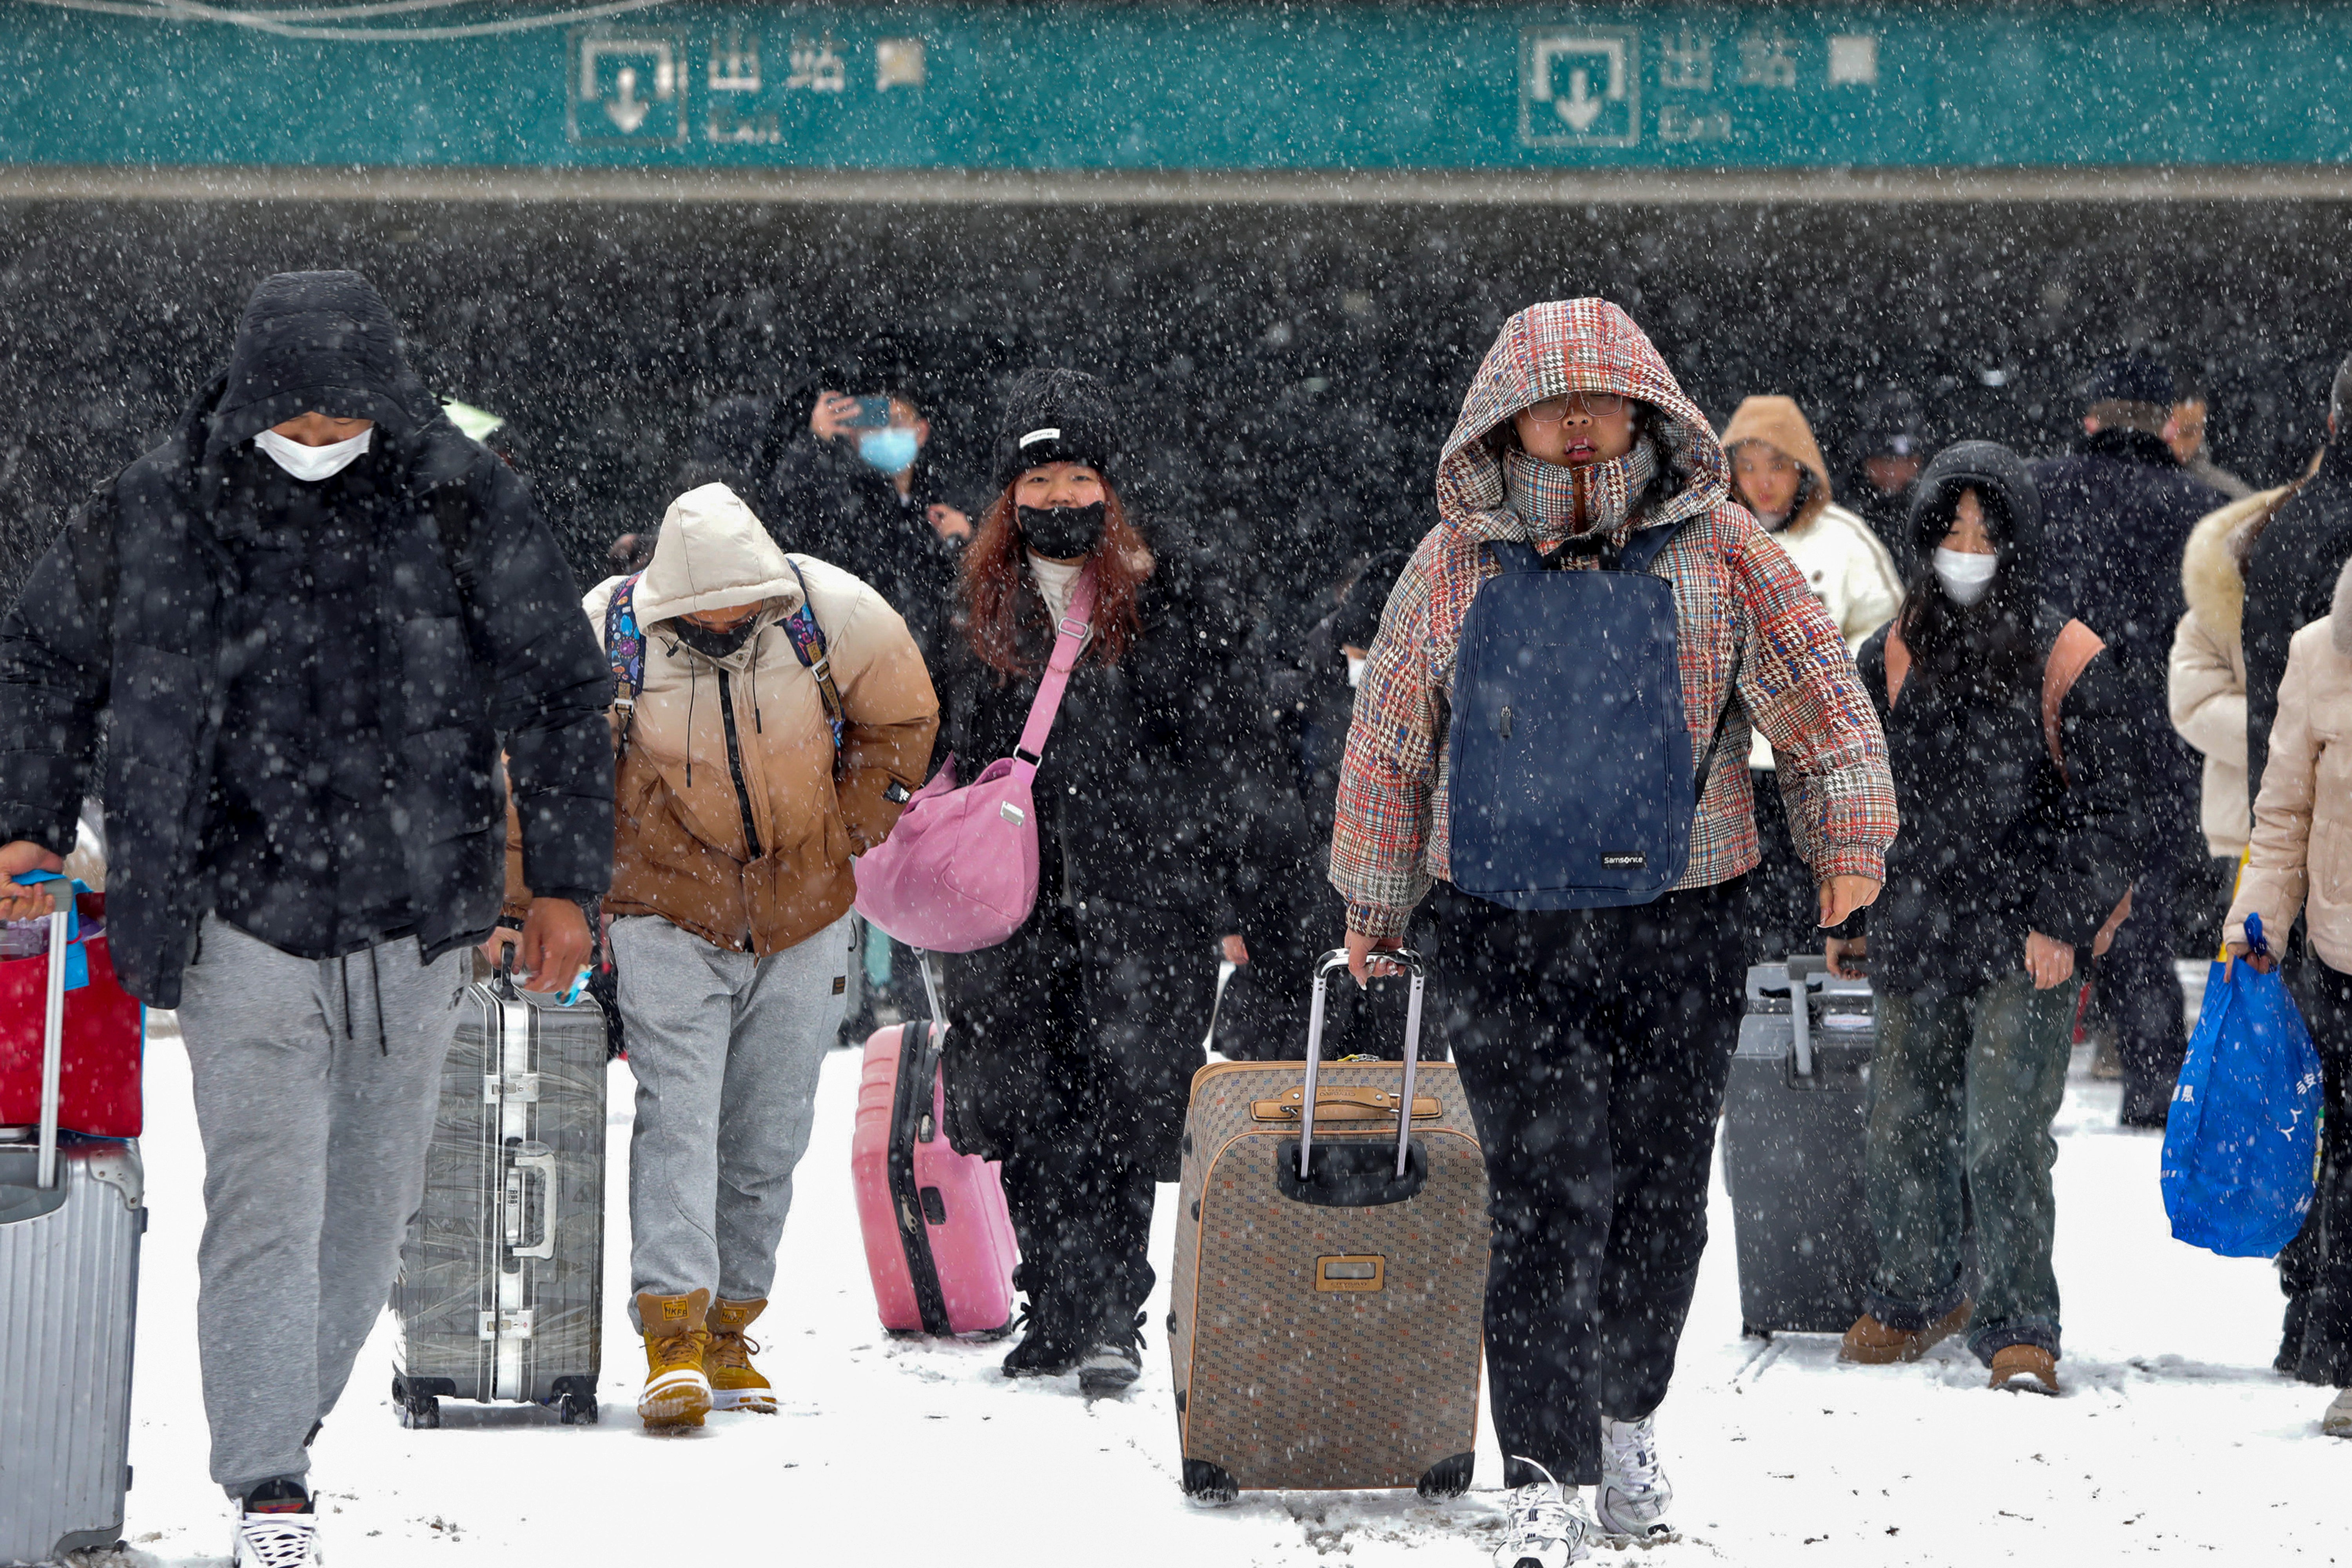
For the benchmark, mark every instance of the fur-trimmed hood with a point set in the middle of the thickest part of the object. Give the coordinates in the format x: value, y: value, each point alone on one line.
x: 2213, y: 564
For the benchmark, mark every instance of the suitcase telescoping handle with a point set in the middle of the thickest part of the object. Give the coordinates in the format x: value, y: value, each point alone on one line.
x: 1800, y: 992
x: 53, y: 1024
x: 1337, y: 959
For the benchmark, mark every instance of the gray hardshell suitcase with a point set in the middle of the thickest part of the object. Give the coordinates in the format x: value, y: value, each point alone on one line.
x: 500, y: 1293
x: 70, y: 1220
x: 1795, y: 1127
x: 1329, y: 1292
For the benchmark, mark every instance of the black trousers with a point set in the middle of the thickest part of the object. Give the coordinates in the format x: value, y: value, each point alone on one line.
x: 1594, y: 1061
x: 2316, y: 1269
x: 1070, y: 1056
x: 2136, y: 984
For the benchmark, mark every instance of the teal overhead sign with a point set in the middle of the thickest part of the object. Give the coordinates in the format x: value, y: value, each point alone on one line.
x: 1143, y: 86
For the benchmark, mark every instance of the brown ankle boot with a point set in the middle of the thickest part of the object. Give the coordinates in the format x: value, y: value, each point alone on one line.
x: 2025, y: 1369
x: 678, y: 1390
x: 1872, y: 1344
x: 735, y: 1382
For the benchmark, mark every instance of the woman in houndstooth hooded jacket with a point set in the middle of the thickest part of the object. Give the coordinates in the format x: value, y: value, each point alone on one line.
x: 1596, y: 1058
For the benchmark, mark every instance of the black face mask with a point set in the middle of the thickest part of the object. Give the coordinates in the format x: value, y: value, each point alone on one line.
x: 714, y: 644
x: 1062, y: 533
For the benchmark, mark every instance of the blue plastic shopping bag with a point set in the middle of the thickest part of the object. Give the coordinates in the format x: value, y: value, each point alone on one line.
x: 2243, y: 1129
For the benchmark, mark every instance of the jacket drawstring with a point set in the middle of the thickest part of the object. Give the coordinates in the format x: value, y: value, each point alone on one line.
x: 375, y: 984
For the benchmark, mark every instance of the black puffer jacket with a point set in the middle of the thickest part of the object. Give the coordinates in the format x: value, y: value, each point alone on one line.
x: 142, y: 612
x: 1143, y: 793
x: 1996, y: 842
x: 2291, y: 583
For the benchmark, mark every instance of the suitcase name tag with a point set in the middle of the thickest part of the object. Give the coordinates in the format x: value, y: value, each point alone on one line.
x: 1348, y: 1274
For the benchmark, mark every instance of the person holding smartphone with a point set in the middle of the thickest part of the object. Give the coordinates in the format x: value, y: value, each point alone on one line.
x: 858, y: 486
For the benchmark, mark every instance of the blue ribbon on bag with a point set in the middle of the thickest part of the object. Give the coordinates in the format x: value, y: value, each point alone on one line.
x: 77, y: 955
x: 2244, y: 1130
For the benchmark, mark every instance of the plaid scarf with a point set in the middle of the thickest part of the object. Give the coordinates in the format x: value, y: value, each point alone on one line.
x: 1543, y: 495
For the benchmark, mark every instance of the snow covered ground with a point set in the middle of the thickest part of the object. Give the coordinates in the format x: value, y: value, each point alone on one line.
x: 2174, y: 1439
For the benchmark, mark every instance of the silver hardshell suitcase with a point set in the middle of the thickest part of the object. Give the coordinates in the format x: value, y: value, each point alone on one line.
x: 500, y: 1292
x: 70, y: 1219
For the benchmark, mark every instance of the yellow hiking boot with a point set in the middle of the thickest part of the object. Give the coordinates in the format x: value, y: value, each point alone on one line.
x: 735, y: 1382
x: 678, y: 1390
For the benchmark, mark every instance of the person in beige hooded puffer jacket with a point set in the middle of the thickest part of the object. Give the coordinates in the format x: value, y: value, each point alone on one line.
x: 736, y: 813
x: 2205, y: 685
x: 2301, y: 862
x: 1777, y: 473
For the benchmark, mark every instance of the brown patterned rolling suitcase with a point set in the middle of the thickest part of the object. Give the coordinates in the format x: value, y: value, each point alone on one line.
x: 1330, y: 1278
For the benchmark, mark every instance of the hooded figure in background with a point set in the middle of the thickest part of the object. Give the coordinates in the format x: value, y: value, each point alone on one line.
x: 314, y: 619
x: 1598, y: 1040
x: 2117, y: 511
x: 2010, y: 732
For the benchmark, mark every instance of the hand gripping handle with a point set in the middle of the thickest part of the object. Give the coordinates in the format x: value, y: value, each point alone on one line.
x: 53, y: 1026
x: 1337, y: 959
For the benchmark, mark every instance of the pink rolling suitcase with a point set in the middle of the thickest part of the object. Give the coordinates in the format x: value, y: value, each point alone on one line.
x: 939, y: 1242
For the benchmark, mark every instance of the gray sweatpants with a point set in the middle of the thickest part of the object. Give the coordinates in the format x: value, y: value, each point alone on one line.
x: 315, y: 1119
x: 726, y: 1047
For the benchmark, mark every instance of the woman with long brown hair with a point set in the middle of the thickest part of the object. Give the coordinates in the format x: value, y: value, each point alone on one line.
x: 1074, y: 1041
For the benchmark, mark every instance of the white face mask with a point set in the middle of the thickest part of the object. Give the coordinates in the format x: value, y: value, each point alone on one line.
x: 1966, y: 577
x: 313, y: 463
x: 1355, y: 670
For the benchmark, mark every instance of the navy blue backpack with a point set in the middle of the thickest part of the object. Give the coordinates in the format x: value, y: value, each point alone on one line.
x: 1570, y: 751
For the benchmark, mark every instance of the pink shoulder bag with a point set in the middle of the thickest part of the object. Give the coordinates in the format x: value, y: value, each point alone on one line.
x: 959, y: 872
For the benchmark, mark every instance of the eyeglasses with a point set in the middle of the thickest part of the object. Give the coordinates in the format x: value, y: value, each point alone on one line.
x: 1594, y: 405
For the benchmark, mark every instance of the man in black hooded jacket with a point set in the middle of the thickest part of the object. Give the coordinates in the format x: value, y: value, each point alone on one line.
x: 311, y: 620
x: 2117, y: 513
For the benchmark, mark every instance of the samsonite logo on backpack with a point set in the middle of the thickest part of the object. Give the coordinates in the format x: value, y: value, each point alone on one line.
x: 1570, y: 751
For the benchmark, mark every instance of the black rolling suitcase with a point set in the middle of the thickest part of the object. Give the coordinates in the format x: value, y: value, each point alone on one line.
x: 500, y: 1293
x: 1795, y: 1125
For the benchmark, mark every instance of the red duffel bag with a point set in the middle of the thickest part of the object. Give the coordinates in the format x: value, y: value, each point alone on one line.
x: 105, y: 1034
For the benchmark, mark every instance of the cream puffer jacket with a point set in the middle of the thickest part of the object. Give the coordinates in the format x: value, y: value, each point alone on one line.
x: 2303, y: 821
x: 1845, y: 563
x: 733, y: 819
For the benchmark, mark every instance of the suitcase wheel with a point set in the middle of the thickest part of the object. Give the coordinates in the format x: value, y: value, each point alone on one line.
x: 1449, y: 1477
x: 1750, y: 1332
x: 421, y: 1413
x: 1205, y: 1482
x: 575, y: 1402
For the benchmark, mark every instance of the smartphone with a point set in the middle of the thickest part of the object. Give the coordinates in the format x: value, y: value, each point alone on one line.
x: 873, y: 413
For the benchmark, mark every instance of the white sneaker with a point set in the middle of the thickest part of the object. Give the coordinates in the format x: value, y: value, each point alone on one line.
x: 1634, y: 1492
x: 276, y: 1540
x: 1549, y: 1529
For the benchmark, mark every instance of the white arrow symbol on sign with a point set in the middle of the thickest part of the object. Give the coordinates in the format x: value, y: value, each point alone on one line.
x: 1580, y: 107
x: 628, y: 110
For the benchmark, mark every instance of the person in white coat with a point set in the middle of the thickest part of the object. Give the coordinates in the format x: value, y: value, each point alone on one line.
x: 1777, y: 474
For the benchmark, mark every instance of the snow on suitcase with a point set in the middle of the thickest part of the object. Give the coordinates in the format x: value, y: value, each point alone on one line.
x: 938, y: 1239
x: 1795, y: 1126
x: 500, y: 1292
x: 1328, y: 1293
x: 70, y: 1220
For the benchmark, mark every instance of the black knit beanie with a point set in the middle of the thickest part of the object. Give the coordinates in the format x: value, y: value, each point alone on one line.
x: 1056, y: 417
